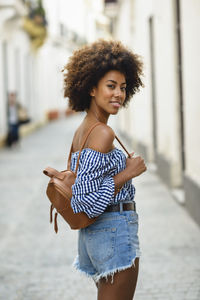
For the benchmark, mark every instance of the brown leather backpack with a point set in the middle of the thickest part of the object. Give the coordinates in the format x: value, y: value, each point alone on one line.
x: 59, y: 192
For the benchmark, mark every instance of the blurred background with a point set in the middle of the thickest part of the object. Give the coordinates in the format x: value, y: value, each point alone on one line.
x: 161, y: 123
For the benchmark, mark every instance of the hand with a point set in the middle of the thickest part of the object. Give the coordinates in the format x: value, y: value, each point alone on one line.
x: 135, y: 165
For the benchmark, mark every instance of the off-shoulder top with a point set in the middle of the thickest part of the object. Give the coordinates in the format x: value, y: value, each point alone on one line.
x: 94, y: 186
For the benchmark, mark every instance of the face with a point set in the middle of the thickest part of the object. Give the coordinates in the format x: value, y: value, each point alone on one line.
x: 12, y: 98
x: 110, y: 93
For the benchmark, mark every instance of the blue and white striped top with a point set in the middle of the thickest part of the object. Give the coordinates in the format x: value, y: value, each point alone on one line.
x: 94, y: 187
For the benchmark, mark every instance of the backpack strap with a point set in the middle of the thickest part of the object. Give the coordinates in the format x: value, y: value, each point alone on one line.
x: 123, y: 146
x: 69, y: 157
x: 83, y: 143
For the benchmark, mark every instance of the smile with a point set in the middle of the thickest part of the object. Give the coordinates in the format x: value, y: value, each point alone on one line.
x: 116, y: 104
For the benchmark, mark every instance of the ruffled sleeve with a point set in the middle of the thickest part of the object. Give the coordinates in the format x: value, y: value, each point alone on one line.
x: 94, y: 187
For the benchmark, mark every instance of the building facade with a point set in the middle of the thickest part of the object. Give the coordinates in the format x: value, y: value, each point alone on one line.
x: 164, y: 116
x: 35, y: 43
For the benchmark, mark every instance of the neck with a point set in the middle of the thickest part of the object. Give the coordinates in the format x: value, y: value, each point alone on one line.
x: 98, y: 113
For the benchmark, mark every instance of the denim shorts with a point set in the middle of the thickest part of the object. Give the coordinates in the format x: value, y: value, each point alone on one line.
x: 109, y: 245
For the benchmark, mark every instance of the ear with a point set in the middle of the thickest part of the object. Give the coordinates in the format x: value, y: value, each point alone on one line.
x: 92, y: 92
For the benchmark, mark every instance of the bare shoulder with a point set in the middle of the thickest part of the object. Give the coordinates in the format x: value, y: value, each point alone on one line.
x: 101, y: 138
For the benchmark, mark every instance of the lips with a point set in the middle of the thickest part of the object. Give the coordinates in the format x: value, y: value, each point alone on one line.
x: 116, y: 104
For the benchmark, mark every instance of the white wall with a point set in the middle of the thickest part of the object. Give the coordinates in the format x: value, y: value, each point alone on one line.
x: 80, y: 16
x: 122, y: 33
x: 191, y: 66
x: 3, y: 119
x: 166, y: 80
x: 17, y: 47
x: 139, y: 113
x: 49, y: 78
x: 132, y: 30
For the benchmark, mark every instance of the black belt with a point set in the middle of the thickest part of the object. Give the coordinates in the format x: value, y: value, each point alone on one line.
x: 125, y: 206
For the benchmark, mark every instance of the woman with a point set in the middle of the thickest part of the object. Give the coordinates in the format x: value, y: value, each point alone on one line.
x: 17, y: 116
x: 100, y: 79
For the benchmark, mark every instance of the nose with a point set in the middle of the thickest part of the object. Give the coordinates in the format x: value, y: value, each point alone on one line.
x: 118, y: 92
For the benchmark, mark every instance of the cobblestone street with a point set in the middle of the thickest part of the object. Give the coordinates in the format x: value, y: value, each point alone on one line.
x: 36, y: 264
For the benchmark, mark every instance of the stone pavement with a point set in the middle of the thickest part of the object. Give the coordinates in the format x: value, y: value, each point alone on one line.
x: 35, y: 263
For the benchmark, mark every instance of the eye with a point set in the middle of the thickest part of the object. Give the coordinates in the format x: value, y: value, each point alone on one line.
x: 123, y: 88
x: 111, y: 86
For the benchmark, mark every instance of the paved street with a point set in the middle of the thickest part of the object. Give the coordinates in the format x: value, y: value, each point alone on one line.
x: 36, y: 264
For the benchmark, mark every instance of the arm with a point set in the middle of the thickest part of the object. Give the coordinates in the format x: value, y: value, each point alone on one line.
x: 134, y: 166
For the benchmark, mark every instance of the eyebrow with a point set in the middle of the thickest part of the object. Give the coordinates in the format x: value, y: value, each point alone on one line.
x: 115, y: 81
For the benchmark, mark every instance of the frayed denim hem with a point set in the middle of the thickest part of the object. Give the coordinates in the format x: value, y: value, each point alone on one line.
x: 96, y: 277
x: 114, y: 271
x: 76, y: 265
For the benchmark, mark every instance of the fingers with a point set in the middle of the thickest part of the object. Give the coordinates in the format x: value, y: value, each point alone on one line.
x: 131, y: 154
x: 139, y: 159
x: 144, y: 165
x: 141, y: 162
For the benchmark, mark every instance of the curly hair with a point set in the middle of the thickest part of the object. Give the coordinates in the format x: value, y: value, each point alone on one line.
x: 90, y: 63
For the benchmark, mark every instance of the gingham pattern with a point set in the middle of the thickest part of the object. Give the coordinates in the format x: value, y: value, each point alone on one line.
x: 94, y: 186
